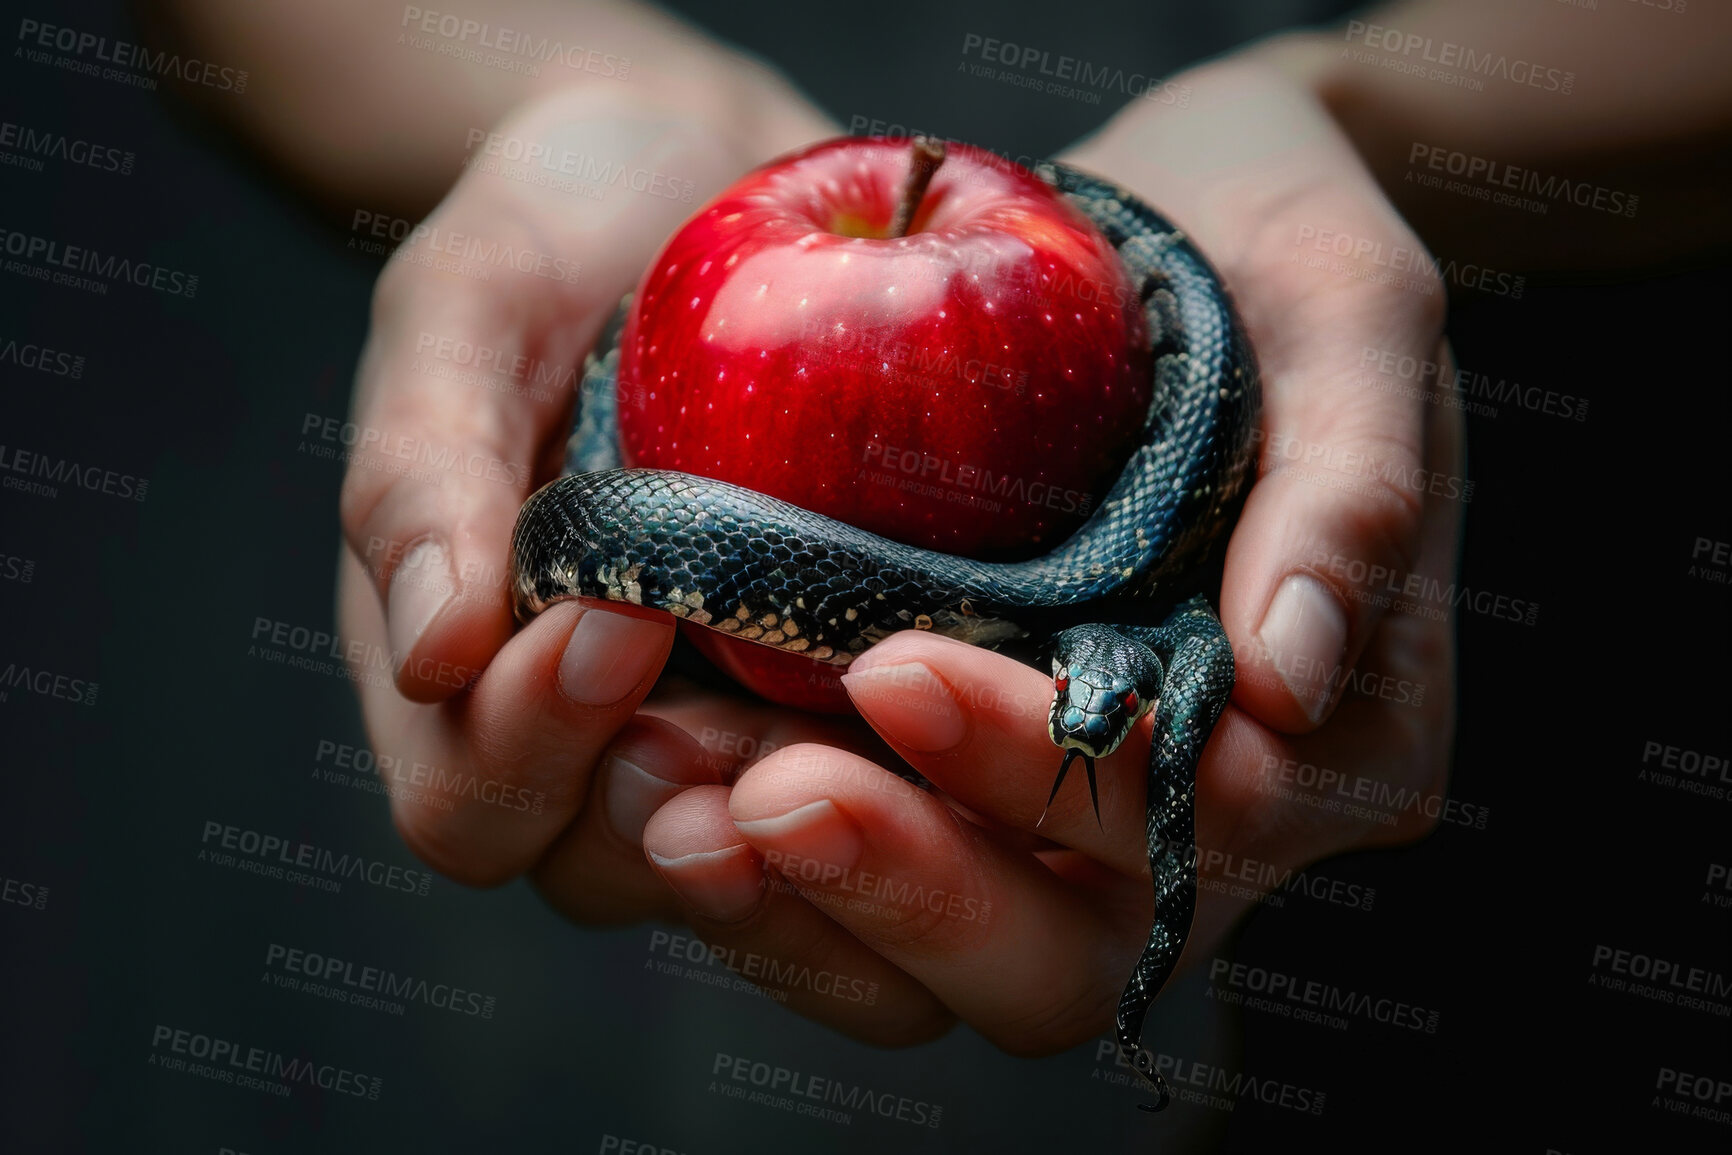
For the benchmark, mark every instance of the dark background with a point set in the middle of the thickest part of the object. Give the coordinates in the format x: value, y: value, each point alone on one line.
x: 104, y: 804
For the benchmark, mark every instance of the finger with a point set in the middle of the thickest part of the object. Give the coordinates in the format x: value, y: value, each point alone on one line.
x: 1421, y: 646
x: 1261, y: 822
x: 975, y: 724
x: 1003, y: 941
x: 774, y: 936
x: 1339, y: 493
x: 736, y: 730
x: 434, y: 537
x: 1404, y: 737
x: 595, y: 872
x: 503, y: 768
x: 440, y: 467
x: 506, y: 284
x: 1339, y: 483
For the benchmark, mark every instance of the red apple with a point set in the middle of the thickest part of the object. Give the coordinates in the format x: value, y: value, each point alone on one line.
x: 970, y: 377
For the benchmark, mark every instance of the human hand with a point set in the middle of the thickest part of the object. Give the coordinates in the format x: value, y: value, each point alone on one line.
x: 1029, y: 936
x: 518, y: 750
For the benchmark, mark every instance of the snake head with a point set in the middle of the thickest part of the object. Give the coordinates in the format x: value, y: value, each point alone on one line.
x: 1102, y: 683
x: 1092, y: 710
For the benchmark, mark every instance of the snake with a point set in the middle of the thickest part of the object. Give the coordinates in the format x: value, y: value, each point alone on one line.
x: 1121, y: 608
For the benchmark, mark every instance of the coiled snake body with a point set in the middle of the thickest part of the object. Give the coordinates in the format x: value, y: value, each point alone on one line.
x: 1123, y: 603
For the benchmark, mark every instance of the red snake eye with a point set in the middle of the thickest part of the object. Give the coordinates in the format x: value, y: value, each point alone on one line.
x: 1130, y: 699
x: 1062, y: 681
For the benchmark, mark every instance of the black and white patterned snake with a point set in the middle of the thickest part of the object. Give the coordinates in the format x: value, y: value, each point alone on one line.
x: 1122, y: 606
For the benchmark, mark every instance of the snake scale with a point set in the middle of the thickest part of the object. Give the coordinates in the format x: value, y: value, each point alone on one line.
x: 1123, y: 603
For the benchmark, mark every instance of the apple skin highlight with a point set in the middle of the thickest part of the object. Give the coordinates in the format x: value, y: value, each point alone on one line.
x: 972, y: 387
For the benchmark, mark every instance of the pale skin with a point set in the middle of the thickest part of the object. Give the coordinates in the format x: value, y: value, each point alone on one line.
x: 1276, y: 145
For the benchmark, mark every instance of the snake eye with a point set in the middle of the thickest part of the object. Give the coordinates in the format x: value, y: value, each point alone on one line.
x: 1130, y: 700
x: 1061, y: 681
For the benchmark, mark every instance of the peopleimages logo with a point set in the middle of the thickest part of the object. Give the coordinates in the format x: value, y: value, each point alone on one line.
x: 521, y: 51
x: 64, y: 471
x: 1206, y: 1084
x: 1335, y: 467
x: 1692, y: 771
x: 1219, y: 871
x: 21, y: 893
x: 1311, y: 1000
x: 586, y: 168
x: 46, y: 684
x: 1416, y: 51
x: 269, y: 854
x: 33, y: 145
x: 1699, y: 1096
x: 226, y: 1061
x: 775, y: 977
x: 419, y: 243
x: 1418, y: 594
x: 868, y: 892
x: 797, y: 1091
x: 961, y: 477
x: 367, y: 985
x: 54, y: 362
x: 1357, y: 792
x: 1488, y: 172
x: 1662, y: 980
x: 335, y: 439
x: 1039, y: 62
x: 123, y: 54
x: 1463, y: 388
x: 58, y: 260
x: 418, y: 781
x: 319, y: 651
x: 1369, y: 259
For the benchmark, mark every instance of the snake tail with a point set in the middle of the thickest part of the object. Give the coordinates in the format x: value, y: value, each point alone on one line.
x: 1198, y: 660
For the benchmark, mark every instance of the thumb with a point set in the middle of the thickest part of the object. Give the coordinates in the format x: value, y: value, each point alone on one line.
x: 465, y: 387
x: 1327, y: 540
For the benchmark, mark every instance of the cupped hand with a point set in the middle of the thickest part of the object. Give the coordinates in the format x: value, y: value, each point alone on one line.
x: 1029, y: 935
x: 508, y: 750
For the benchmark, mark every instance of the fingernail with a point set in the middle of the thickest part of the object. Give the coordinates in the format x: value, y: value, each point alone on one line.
x: 631, y: 794
x: 420, y: 587
x: 909, y: 703
x: 817, y: 833
x: 1305, y: 634
x: 608, y: 655
x: 715, y: 883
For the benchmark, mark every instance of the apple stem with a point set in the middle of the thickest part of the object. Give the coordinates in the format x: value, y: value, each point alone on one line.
x: 928, y: 155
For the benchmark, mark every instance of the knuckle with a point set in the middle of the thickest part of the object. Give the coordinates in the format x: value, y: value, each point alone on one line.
x: 1054, y: 1025
x: 541, y: 763
x: 922, y: 928
x: 907, y: 1026
x: 436, y: 840
x: 933, y: 917
x: 1379, y: 492
x: 359, y: 496
x: 1387, y: 521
